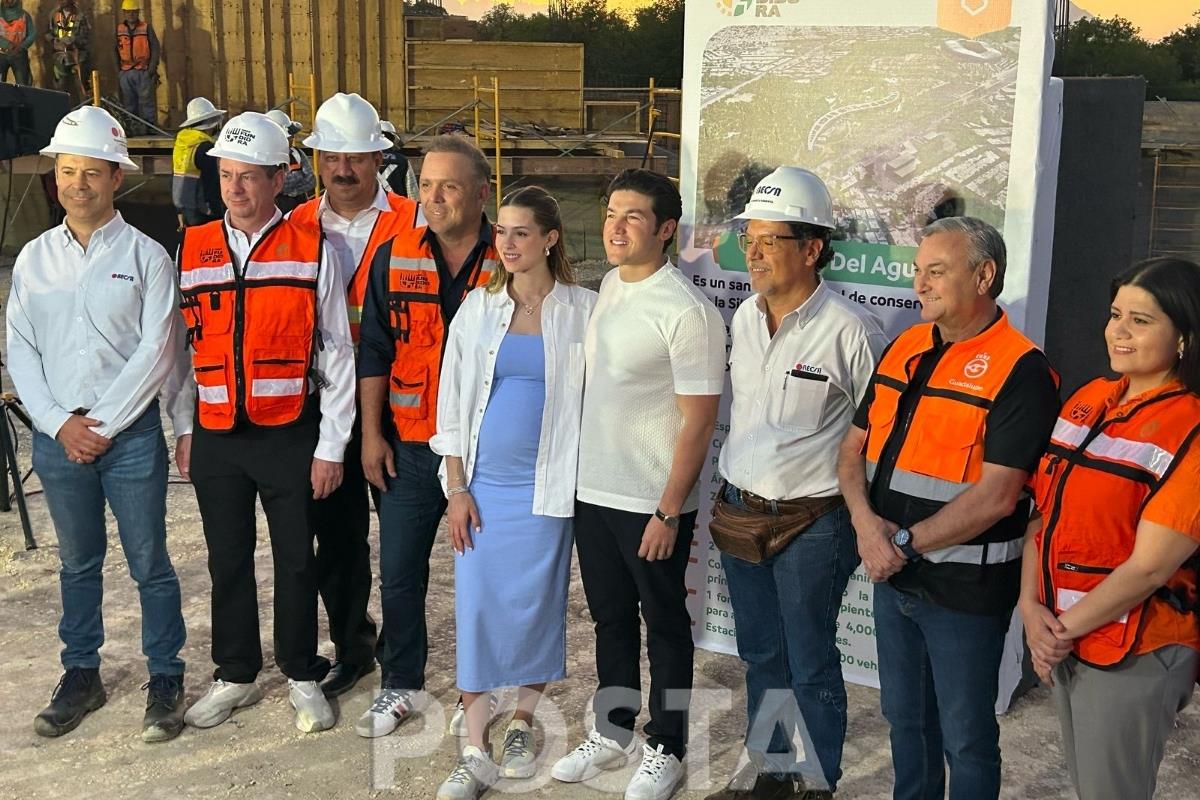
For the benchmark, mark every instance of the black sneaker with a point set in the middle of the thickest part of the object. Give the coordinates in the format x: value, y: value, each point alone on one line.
x: 751, y: 784
x: 79, y: 692
x: 164, y: 708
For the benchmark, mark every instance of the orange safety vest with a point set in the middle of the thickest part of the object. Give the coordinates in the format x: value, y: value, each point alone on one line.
x: 15, y: 31
x: 252, y: 331
x: 941, y: 454
x: 1096, y: 477
x: 387, y: 226
x: 415, y: 314
x: 133, y: 45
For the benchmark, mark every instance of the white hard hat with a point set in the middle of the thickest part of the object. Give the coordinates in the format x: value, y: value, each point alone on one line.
x: 252, y: 138
x: 346, y: 123
x: 791, y: 194
x: 386, y: 126
x: 281, y: 119
x: 93, y: 132
x: 201, y: 109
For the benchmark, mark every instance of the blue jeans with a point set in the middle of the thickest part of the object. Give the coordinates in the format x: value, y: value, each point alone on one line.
x: 132, y: 477
x: 938, y: 676
x: 789, y: 604
x: 409, y: 513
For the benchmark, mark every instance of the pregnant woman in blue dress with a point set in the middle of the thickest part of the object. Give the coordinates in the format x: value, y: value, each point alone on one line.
x: 509, y: 409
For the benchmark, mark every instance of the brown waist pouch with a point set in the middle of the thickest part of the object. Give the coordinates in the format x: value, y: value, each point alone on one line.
x: 765, y: 527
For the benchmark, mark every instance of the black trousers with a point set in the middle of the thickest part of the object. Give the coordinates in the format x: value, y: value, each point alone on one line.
x: 616, y: 582
x: 342, y: 522
x: 229, y: 470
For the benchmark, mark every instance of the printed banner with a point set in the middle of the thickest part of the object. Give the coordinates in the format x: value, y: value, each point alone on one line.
x: 909, y: 112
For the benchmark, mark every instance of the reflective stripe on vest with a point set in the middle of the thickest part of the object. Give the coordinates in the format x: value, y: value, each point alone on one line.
x: 133, y: 45
x: 252, y: 334
x: 1095, y: 480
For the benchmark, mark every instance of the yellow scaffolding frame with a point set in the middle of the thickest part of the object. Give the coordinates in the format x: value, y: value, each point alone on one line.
x: 495, y: 93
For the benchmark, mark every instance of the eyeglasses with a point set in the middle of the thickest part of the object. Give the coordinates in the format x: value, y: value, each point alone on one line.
x: 765, y: 242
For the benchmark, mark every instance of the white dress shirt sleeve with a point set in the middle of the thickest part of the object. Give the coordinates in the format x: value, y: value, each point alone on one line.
x: 862, y: 359
x: 448, y: 439
x: 335, y: 362
x: 160, y: 347
x: 179, y: 394
x: 25, y: 363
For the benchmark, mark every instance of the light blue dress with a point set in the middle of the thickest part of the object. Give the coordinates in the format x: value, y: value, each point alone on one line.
x: 510, y: 591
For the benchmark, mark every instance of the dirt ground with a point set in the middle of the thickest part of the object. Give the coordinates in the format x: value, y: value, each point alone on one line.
x: 258, y: 753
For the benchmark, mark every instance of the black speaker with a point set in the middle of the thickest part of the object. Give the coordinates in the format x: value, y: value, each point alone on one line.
x: 28, y: 117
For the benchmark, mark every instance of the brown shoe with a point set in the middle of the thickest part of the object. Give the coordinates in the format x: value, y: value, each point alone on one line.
x: 750, y: 784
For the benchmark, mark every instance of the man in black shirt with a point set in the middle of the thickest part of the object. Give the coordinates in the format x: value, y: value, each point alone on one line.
x: 933, y: 471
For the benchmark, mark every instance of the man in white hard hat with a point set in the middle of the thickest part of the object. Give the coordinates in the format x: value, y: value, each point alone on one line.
x: 195, y: 187
x: 274, y: 370
x: 299, y: 181
x: 93, y: 335
x: 356, y: 215
x: 801, y: 361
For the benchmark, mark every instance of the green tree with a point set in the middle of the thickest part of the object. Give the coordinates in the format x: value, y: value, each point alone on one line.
x: 1184, y: 47
x: 1114, y: 47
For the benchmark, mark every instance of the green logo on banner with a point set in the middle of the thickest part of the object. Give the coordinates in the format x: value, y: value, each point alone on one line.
x: 853, y: 262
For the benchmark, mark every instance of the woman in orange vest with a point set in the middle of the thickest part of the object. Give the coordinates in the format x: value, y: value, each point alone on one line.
x: 1108, y: 592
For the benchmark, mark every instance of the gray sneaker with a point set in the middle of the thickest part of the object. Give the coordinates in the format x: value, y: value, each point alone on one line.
x: 391, y: 707
x: 519, y: 755
x: 474, y: 774
x: 219, y: 702
x: 458, y: 720
x: 313, y: 712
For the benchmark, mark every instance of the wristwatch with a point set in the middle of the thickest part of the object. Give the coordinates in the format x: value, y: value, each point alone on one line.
x: 670, y: 520
x: 903, y: 540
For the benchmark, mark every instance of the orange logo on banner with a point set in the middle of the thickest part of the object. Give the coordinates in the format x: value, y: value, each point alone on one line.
x: 974, y: 17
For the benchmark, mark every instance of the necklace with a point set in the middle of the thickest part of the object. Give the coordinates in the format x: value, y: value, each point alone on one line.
x: 526, y: 307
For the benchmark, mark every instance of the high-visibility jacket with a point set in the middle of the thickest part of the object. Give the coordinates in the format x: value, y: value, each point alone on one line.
x: 401, y: 218
x: 133, y: 45
x: 415, y: 316
x: 1097, y: 476
x: 252, y: 330
x: 186, y: 190
x: 65, y: 26
x: 941, y: 444
x: 15, y: 32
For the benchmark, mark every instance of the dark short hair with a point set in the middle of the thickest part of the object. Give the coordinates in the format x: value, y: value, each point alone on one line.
x: 984, y: 243
x: 272, y: 169
x: 1174, y: 283
x: 450, y: 143
x: 665, y: 201
x: 821, y: 234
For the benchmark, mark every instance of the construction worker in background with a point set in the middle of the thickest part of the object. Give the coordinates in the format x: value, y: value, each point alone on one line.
x: 416, y: 284
x: 137, y: 59
x: 70, y: 36
x: 394, y: 172
x: 356, y: 216
x: 195, y: 184
x: 934, y: 471
x: 274, y: 370
x: 93, y: 336
x: 16, y: 35
x: 299, y: 182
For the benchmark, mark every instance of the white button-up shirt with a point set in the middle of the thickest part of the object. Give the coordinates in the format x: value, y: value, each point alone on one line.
x: 465, y: 387
x: 96, y: 329
x: 794, y: 393
x: 334, y: 361
x: 348, y: 237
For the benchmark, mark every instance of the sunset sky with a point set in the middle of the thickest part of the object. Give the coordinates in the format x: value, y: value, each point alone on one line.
x: 1156, y: 18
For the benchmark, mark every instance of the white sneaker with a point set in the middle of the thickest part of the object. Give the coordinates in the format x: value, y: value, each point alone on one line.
x: 657, y: 776
x: 219, y: 702
x: 313, y: 712
x: 595, y: 755
x: 474, y: 774
x: 458, y: 720
x: 519, y: 755
x: 391, y: 707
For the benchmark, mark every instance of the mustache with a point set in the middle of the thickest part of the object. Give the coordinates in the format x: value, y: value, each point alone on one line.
x: 346, y: 180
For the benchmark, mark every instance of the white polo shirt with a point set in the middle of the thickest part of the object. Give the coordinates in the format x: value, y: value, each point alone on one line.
x: 794, y: 394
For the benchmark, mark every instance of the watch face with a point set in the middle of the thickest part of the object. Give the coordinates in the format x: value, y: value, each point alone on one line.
x: 903, y: 537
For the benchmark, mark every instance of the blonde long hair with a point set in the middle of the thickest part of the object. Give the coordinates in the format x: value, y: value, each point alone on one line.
x: 547, y: 217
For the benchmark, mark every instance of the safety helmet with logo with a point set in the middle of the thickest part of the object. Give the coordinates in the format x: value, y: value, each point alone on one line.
x: 289, y: 125
x: 93, y: 132
x: 131, y: 5
x: 791, y: 194
x: 346, y: 123
x: 201, y: 110
x: 252, y: 138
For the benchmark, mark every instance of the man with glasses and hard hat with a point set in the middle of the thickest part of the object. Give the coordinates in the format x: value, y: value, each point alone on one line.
x: 195, y: 186
x: 801, y: 361
x: 274, y: 370
x: 93, y: 335
x: 356, y: 215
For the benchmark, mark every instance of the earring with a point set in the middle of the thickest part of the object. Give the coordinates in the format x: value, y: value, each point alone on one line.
x: 547, y: 251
